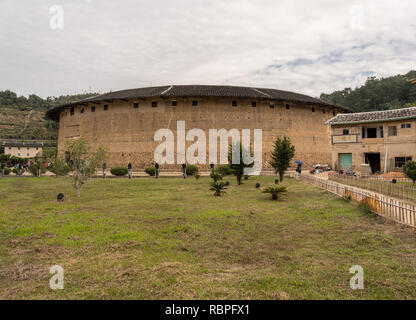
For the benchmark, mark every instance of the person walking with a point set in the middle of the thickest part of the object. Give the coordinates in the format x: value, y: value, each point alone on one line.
x: 129, y: 167
x: 184, y: 170
x: 156, y: 170
x: 104, y: 168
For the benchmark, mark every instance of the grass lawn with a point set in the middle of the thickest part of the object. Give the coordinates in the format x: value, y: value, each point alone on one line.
x: 171, y: 239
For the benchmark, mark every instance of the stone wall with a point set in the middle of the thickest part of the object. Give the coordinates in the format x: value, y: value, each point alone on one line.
x: 128, y: 132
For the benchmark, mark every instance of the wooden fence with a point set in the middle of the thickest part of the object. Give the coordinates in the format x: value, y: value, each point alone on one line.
x: 383, y: 205
x: 401, y: 191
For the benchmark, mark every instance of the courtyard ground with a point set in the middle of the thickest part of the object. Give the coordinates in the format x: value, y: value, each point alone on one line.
x: 171, y: 239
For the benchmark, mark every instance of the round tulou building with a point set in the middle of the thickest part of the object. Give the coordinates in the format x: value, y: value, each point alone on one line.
x: 125, y: 122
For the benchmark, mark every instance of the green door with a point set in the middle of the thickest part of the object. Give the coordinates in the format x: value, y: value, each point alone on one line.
x: 345, y: 161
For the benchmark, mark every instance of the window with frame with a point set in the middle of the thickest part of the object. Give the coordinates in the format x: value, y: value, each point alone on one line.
x: 406, y: 125
x: 272, y: 106
x: 174, y: 103
x: 105, y: 107
x: 234, y: 103
x: 313, y: 109
x: 194, y: 103
x: 136, y: 105
x: 392, y: 131
x: 154, y: 104
x: 254, y: 104
x: 72, y: 111
x: 323, y: 110
x: 399, y: 162
x: 93, y: 109
x: 82, y: 110
x: 345, y: 132
x: 334, y: 113
x: 287, y: 106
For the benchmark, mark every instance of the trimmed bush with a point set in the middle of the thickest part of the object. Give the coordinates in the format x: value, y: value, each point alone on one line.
x: 119, y: 171
x: 225, y: 170
x: 191, y: 169
x: 151, y: 171
x: 33, y: 169
x: 15, y: 171
x: 7, y: 170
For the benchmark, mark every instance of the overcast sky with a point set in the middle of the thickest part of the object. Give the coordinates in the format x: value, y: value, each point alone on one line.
x: 305, y: 46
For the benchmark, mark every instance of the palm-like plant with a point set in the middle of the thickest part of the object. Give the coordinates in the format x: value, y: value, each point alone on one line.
x: 275, y: 191
x: 219, y: 188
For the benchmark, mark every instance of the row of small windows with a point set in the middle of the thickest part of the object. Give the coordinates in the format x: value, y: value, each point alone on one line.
x: 234, y: 103
x: 18, y: 148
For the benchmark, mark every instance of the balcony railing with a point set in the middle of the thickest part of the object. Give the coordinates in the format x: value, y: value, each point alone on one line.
x: 345, y: 138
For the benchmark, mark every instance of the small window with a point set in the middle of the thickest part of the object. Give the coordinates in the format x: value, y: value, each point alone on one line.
x: 194, y: 103
x: 272, y: 106
x: 10, y: 148
x: 136, y: 105
x: 154, y: 104
x: 323, y: 110
x: 334, y: 113
x: 254, y: 104
x: 82, y: 110
x: 234, y: 103
x: 93, y: 109
x: 18, y: 148
x: 28, y: 154
x: 313, y: 109
x: 393, y: 131
x: 381, y: 132
x: 105, y: 107
x: 28, y: 148
x: 72, y: 111
x: 406, y: 125
x: 399, y: 162
x: 37, y: 148
x: 18, y: 154
x: 345, y: 132
x: 287, y: 106
x: 174, y: 103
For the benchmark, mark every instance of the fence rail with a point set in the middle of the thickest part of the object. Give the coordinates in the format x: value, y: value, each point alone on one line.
x: 400, y: 191
x: 383, y: 205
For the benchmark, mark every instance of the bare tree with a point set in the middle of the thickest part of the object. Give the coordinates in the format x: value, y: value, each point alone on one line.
x: 84, y: 160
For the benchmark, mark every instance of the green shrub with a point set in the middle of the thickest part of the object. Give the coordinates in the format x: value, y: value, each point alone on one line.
x: 219, y: 188
x: 59, y: 167
x: 347, y: 198
x: 275, y: 191
x: 216, y: 175
x: 33, y: 169
x: 225, y: 170
x: 191, y: 169
x: 151, y: 171
x: 7, y: 170
x: 15, y: 171
x: 119, y: 171
x: 197, y: 176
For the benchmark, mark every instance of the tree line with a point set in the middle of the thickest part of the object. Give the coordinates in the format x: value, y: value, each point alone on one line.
x: 9, y: 98
x: 377, y: 94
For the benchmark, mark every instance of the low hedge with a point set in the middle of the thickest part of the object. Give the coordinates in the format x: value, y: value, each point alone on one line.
x: 151, y: 171
x: 119, y: 171
x: 191, y: 169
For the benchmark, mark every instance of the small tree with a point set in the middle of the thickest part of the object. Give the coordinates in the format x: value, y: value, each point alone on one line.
x: 83, y: 162
x: 275, y: 191
x: 237, y: 168
x: 282, y: 154
x: 219, y: 188
x: 409, y: 169
x: 216, y: 175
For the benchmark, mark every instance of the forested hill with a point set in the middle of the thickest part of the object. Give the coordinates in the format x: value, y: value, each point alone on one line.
x: 24, y: 118
x: 377, y: 94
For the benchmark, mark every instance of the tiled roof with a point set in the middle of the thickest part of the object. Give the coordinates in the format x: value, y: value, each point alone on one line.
x: 374, y: 116
x: 22, y: 144
x: 197, y: 91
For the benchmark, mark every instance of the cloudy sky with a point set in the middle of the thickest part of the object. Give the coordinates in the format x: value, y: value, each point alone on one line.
x: 53, y: 47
